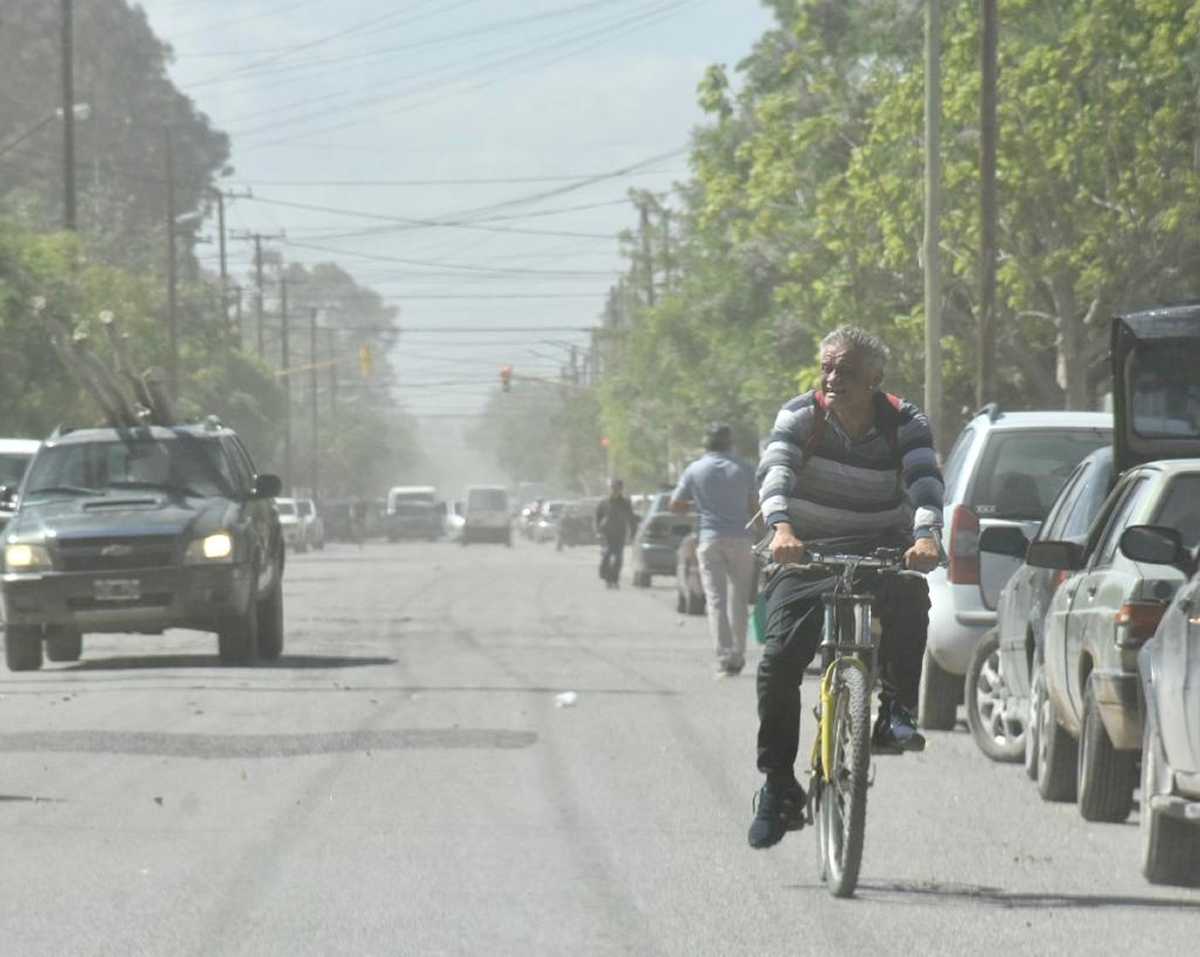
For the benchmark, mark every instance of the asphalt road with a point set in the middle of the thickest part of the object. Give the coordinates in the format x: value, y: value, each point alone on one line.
x: 402, y: 781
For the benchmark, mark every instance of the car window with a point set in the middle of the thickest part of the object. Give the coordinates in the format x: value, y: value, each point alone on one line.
x: 1180, y: 508
x: 1166, y: 394
x: 1118, y: 519
x: 488, y: 499
x: 1020, y: 473
x: 285, y: 508
x: 12, y: 468
x: 956, y: 458
x: 1066, y: 502
x: 306, y: 508
x: 239, y: 462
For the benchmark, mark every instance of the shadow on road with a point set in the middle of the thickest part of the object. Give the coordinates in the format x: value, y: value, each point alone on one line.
x: 912, y: 892
x: 285, y: 663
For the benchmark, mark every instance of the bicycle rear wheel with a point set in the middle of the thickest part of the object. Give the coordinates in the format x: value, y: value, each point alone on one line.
x: 843, y: 799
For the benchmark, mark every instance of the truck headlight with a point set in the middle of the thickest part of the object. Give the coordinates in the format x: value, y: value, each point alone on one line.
x: 217, y: 547
x: 27, y: 558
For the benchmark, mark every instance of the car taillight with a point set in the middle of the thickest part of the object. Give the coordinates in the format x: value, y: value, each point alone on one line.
x: 1136, y: 622
x: 964, y: 547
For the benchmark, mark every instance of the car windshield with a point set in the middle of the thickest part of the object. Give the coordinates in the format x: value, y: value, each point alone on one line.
x: 285, y: 508
x: 181, y: 465
x: 1179, y: 509
x: 1021, y: 472
x: 1166, y: 393
x: 488, y: 499
x: 12, y: 468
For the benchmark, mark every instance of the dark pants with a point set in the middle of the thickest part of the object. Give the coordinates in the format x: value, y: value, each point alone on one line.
x: 611, y: 559
x: 795, y: 617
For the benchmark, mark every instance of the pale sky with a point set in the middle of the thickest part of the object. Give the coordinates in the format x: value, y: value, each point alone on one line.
x: 329, y: 105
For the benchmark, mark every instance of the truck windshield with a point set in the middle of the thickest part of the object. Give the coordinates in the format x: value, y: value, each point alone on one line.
x: 1166, y: 393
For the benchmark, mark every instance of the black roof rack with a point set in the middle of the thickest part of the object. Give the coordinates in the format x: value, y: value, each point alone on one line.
x: 991, y: 410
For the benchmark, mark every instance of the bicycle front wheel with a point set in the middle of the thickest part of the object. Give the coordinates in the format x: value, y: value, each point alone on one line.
x: 843, y: 805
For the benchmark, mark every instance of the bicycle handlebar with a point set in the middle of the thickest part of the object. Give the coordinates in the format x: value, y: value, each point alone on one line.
x: 881, y: 560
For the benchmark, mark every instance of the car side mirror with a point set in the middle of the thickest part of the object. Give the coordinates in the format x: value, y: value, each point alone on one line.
x: 1156, y: 545
x: 8, y: 497
x: 1058, y: 556
x: 1002, y: 548
x: 267, y: 486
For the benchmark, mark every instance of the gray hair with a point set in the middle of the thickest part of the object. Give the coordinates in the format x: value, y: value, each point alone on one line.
x: 857, y: 340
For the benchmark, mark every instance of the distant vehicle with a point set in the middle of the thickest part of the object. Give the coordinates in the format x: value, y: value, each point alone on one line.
x: 15, y: 456
x: 292, y: 524
x: 335, y: 514
x: 313, y: 524
x: 486, y: 517
x: 412, y: 512
x: 1004, y: 469
x: 657, y: 540
x: 689, y: 589
x: 577, y: 525
x: 140, y: 530
x: 545, y: 527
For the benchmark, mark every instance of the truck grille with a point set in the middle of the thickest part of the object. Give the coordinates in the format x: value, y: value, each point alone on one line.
x: 103, y: 555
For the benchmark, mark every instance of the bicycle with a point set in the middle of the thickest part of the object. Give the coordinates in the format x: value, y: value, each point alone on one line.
x: 841, y: 751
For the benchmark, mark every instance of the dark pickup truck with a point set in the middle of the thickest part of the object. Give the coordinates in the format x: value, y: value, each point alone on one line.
x: 140, y: 530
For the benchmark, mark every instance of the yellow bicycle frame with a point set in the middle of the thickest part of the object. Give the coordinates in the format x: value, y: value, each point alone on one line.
x: 823, y: 743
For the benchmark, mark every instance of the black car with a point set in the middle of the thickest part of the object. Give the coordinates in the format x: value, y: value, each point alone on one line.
x: 140, y: 530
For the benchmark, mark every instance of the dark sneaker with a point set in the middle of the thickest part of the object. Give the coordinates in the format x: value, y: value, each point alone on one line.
x: 776, y: 811
x: 896, y: 731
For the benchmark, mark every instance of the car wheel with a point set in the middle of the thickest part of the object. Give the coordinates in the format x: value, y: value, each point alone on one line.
x: 695, y: 603
x: 998, y: 729
x: 1037, y: 691
x: 237, y: 640
x: 1057, y: 755
x: 1106, y: 776
x: 23, y: 647
x: 1170, y: 846
x: 641, y: 579
x: 940, y: 693
x: 270, y: 623
x: 63, y: 644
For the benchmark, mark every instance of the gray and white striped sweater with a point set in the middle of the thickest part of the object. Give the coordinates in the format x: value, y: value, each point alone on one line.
x: 884, y: 487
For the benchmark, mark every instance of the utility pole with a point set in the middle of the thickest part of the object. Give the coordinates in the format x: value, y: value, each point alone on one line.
x: 986, y: 383
x: 236, y: 333
x: 316, y: 448
x: 221, y: 196
x: 286, y: 368
x: 68, y: 110
x: 257, y: 239
x: 333, y: 375
x: 933, y: 204
x: 666, y: 256
x: 172, y: 266
x: 647, y: 251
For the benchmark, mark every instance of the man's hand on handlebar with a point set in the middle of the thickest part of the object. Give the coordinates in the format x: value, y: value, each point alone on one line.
x: 786, y: 548
x: 924, y: 556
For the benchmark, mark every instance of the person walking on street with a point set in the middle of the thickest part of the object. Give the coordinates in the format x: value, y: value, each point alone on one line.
x: 614, y: 518
x: 722, y: 488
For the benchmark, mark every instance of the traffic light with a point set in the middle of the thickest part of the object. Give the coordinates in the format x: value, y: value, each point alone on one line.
x: 506, y: 378
x: 366, y: 361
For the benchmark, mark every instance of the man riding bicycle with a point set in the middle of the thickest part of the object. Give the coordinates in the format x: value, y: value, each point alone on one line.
x: 851, y: 463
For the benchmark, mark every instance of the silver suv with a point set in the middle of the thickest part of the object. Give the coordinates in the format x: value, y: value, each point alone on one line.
x: 1005, y: 468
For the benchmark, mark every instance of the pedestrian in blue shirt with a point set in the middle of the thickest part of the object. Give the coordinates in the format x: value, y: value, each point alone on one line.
x: 722, y: 488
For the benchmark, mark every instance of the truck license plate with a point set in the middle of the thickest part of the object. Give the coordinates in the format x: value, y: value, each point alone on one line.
x: 117, y: 589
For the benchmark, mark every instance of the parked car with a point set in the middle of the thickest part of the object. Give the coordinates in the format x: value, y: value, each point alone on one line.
x: 998, y: 686
x: 657, y: 540
x: 291, y: 524
x: 689, y: 589
x: 486, y: 518
x: 140, y: 530
x: 1111, y: 604
x: 545, y: 526
x: 1169, y: 669
x: 1005, y: 469
x: 15, y: 456
x: 577, y: 526
x: 311, y: 522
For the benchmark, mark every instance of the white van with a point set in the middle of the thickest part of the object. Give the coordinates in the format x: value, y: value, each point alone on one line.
x: 486, y: 518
